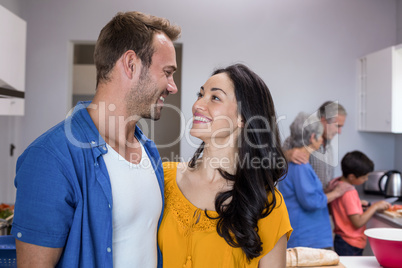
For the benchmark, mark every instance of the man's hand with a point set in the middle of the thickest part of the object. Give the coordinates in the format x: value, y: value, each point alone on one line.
x: 297, y: 156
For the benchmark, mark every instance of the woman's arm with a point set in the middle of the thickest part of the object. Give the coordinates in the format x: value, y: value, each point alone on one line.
x: 339, y: 190
x: 277, y: 256
x: 308, y: 189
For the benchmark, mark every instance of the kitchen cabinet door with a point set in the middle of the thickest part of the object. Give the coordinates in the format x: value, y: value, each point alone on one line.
x: 380, y: 91
x: 12, y: 63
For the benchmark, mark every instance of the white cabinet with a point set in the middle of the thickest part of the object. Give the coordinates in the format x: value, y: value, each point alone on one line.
x: 380, y: 91
x: 12, y: 63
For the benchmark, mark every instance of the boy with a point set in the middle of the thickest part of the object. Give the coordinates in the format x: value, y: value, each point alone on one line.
x: 347, y: 211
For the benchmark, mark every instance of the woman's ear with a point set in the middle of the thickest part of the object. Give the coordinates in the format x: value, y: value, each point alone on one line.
x: 312, y: 138
x: 240, y: 122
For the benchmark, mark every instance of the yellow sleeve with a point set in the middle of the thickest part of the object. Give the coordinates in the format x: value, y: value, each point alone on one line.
x: 169, y: 170
x: 274, y: 226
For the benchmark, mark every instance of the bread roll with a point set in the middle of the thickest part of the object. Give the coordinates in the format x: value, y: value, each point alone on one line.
x: 305, y: 257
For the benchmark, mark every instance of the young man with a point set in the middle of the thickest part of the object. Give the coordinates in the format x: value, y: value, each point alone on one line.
x: 347, y: 212
x: 332, y: 116
x: 90, y: 190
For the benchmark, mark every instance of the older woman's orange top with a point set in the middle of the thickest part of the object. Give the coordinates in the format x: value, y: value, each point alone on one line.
x: 188, y: 238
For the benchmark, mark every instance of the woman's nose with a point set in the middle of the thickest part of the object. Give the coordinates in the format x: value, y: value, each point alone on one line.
x: 199, y: 104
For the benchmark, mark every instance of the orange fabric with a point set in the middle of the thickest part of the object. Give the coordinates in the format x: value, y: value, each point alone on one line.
x: 188, y: 238
x: 342, y: 208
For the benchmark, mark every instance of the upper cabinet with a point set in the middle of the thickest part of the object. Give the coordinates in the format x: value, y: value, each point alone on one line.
x: 380, y: 91
x: 12, y: 63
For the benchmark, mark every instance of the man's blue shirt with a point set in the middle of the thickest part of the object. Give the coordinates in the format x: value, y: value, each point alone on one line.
x: 64, y: 195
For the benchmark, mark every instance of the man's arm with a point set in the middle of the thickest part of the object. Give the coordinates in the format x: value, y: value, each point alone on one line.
x: 294, y: 155
x: 29, y: 255
x: 297, y: 156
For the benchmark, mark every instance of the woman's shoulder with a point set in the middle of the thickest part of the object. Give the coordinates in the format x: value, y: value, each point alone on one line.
x: 170, y: 169
x: 300, y: 168
x: 167, y: 166
x: 279, y: 207
x: 275, y: 225
x: 280, y: 202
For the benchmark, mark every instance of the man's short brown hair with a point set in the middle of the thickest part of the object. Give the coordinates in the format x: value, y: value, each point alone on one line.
x: 130, y: 30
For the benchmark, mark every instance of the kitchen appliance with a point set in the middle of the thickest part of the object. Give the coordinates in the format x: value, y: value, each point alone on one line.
x: 371, y: 185
x: 393, y: 183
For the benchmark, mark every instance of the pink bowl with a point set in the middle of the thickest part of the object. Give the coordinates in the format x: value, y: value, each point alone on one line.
x: 386, y: 244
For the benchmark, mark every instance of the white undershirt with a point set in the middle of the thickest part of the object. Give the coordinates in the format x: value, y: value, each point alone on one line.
x: 137, y: 205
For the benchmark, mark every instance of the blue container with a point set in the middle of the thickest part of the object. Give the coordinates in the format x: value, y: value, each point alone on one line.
x: 8, y: 254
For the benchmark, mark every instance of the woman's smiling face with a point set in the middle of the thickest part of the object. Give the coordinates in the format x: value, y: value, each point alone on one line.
x: 215, y: 115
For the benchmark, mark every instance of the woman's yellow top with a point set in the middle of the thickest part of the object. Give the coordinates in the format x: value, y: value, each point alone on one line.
x: 188, y: 238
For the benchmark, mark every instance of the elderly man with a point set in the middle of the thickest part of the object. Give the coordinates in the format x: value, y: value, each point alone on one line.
x: 90, y: 190
x: 332, y: 116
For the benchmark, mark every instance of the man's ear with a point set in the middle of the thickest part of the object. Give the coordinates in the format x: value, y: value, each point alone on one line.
x: 324, y: 121
x: 129, y: 62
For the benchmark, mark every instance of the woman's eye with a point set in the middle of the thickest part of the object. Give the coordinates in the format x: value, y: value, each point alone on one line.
x: 199, y: 95
x: 216, y: 98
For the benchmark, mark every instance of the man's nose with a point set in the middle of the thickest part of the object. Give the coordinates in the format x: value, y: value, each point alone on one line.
x: 172, y: 88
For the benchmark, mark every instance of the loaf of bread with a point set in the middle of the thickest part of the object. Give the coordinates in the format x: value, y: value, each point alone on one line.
x: 305, y: 257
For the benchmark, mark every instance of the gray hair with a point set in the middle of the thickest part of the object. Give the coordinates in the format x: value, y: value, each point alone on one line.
x: 330, y: 109
x: 302, y: 127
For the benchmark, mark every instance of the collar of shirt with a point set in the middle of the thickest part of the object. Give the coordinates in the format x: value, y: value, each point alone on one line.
x: 97, y: 143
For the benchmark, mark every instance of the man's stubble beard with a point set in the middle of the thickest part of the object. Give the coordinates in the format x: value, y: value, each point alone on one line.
x: 140, y: 101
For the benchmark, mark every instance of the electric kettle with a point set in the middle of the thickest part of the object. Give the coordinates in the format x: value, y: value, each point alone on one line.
x: 393, y: 183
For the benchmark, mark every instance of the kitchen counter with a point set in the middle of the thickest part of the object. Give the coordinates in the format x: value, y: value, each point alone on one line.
x: 360, y: 262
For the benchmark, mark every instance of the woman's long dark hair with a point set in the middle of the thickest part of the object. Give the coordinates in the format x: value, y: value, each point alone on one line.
x: 259, y: 140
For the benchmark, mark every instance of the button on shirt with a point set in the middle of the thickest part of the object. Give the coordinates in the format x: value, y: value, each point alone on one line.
x: 64, y: 196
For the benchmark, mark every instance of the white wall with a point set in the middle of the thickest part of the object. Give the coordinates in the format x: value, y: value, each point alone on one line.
x: 398, y: 139
x: 306, y: 51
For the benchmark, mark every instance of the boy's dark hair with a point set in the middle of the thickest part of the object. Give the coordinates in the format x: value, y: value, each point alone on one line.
x: 356, y: 163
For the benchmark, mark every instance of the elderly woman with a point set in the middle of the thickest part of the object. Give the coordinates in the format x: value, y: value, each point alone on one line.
x: 302, y: 189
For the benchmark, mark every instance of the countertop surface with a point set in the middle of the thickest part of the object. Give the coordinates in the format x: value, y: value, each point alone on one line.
x: 360, y: 262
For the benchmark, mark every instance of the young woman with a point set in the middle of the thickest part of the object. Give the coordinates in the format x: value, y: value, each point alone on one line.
x: 222, y: 208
